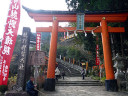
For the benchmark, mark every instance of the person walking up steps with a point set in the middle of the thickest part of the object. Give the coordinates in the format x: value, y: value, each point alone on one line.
x: 83, y: 72
x: 57, y: 73
x: 63, y: 74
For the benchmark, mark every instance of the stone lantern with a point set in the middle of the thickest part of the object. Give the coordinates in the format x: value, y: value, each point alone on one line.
x: 119, y: 75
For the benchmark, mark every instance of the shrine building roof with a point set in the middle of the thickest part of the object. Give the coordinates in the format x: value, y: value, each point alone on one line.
x: 73, y: 12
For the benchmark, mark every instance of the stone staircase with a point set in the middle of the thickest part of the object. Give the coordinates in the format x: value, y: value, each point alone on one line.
x: 78, y: 83
x: 70, y: 69
x: 69, y: 72
x: 69, y: 65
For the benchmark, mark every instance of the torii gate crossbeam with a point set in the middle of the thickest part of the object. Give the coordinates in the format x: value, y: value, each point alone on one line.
x: 87, y: 29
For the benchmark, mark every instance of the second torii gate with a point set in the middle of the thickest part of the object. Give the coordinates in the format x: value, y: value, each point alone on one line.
x: 66, y: 16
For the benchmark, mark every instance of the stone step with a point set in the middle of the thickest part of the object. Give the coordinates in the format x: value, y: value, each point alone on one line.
x: 81, y: 81
x: 78, y: 83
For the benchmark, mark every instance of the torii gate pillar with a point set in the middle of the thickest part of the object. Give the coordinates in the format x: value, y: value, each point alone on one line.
x: 50, y: 81
x: 110, y: 82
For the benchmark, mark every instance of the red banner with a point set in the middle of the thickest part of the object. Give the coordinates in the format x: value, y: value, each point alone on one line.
x: 97, y: 55
x: 38, y: 41
x: 9, y: 39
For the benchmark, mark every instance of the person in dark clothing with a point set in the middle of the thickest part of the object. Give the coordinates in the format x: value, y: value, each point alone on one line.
x: 83, y: 72
x: 63, y: 74
x: 30, y: 87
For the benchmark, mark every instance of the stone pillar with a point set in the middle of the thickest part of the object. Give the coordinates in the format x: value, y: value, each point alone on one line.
x: 50, y: 81
x: 36, y: 73
x: 110, y: 82
x: 22, y: 66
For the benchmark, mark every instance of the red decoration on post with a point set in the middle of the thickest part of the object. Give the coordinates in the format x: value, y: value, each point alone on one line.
x: 38, y: 41
x: 97, y: 55
x: 9, y: 39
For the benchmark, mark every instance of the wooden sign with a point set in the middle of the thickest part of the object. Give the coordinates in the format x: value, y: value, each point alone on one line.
x: 36, y: 58
x: 80, y: 22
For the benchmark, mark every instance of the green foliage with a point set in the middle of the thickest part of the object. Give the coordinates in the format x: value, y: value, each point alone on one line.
x: 69, y: 52
x: 61, y: 50
x: 95, y: 77
x: 103, y: 80
x: 12, y: 81
x: 3, y: 88
x: 45, y: 47
x: 33, y: 49
x: 46, y: 42
x: 73, y: 53
x: 90, y: 73
x: 89, y: 44
x: 95, y: 5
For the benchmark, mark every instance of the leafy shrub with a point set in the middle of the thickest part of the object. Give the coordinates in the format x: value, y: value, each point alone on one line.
x: 95, y: 77
x: 103, y: 80
x: 3, y: 88
x: 11, y: 82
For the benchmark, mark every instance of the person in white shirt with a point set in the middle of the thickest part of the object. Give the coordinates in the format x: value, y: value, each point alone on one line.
x: 57, y: 73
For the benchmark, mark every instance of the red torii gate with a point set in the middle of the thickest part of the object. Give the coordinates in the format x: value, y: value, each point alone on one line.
x: 70, y: 16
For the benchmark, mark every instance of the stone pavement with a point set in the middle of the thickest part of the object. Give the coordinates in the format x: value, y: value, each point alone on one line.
x: 81, y: 90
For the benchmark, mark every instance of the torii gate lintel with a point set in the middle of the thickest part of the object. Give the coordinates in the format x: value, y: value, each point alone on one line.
x: 87, y: 29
